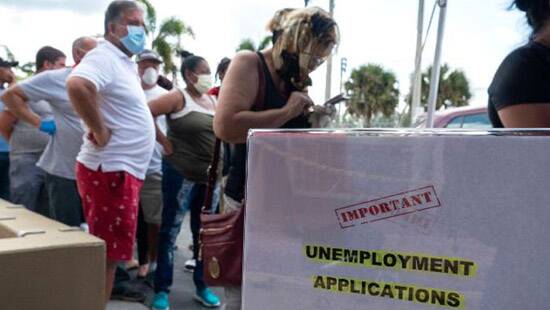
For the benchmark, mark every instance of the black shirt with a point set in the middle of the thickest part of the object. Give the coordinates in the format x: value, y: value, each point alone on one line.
x: 523, y: 77
x: 273, y: 100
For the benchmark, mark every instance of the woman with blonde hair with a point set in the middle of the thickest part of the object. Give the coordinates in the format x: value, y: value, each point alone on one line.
x: 268, y: 89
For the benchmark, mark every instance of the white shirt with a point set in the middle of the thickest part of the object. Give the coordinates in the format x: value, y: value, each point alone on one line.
x: 155, y: 166
x: 124, y: 110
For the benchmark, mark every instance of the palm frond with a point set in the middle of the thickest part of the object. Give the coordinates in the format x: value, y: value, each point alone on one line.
x: 9, y: 54
x: 246, y: 45
x: 27, y: 68
x: 166, y: 52
x: 265, y: 43
x: 151, y: 16
x: 174, y: 26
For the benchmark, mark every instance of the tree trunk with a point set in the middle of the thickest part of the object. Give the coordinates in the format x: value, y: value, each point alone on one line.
x: 369, y: 117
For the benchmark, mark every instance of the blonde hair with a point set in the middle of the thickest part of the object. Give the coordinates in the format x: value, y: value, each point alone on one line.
x: 294, y: 29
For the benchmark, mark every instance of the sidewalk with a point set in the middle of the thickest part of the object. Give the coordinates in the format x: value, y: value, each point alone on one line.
x: 183, y: 290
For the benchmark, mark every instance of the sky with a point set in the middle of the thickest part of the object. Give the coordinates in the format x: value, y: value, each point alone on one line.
x: 478, y: 34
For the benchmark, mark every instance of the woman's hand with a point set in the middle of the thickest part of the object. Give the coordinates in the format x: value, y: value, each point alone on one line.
x: 297, y: 104
x: 167, y: 147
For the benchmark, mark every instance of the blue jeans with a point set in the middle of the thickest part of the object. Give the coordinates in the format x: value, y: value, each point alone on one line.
x: 172, y: 217
x: 5, y: 175
x: 27, y: 183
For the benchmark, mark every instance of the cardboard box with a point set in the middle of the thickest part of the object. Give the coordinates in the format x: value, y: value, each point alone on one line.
x: 46, y: 265
x: 397, y: 219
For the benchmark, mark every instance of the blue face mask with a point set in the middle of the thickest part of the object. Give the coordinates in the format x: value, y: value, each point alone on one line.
x: 135, y: 40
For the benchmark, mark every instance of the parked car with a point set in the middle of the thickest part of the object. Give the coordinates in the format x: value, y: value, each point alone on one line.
x: 463, y: 117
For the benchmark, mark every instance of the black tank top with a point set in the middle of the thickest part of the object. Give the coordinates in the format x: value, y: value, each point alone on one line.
x: 273, y: 100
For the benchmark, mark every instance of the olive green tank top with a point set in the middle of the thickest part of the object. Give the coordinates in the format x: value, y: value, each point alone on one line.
x: 192, y: 136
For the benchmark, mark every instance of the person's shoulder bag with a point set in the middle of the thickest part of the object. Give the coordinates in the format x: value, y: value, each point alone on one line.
x: 222, y: 235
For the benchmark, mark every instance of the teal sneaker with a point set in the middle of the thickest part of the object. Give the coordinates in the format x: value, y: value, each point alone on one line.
x: 160, y: 301
x: 207, y: 298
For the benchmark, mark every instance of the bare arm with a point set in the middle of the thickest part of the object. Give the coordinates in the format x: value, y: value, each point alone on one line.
x: 83, y: 96
x: 7, y: 121
x: 525, y: 116
x: 168, y: 103
x: 233, y: 117
x: 163, y: 140
x: 164, y: 105
x: 15, y: 99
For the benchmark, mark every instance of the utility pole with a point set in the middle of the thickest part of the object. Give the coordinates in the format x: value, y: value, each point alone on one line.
x: 417, y: 79
x: 329, y: 61
x: 436, y: 68
x: 343, y: 68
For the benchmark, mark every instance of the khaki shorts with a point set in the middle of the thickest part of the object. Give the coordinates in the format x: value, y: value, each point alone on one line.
x: 151, y: 199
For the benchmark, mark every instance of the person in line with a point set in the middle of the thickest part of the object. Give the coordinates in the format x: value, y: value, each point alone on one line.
x: 220, y: 74
x: 151, y: 194
x: 519, y: 96
x: 59, y: 157
x: 302, y: 40
x: 7, y: 77
x: 188, y: 149
x: 190, y: 264
x: 106, y: 93
x: 227, y: 147
x: 27, y: 181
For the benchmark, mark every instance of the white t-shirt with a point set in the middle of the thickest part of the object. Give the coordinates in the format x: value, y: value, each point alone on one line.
x: 155, y: 166
x: 59, y: 157
x: 124, y: 109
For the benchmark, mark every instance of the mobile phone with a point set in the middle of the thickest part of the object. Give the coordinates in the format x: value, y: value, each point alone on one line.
x: 336, y: 99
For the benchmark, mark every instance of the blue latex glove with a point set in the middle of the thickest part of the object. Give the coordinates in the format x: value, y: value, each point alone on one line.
x: 47, y: 127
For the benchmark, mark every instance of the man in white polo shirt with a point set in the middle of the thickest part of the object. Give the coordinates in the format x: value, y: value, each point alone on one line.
x: 106, y: 93
x: 58, y: 159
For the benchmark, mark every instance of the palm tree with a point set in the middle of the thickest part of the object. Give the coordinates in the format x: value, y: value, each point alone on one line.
x: 246, y: 45
x: 167, y: 40
x: 373, y: 91
x: 9, y: 54
x: 249, y: 44
x: 454, y: 88
x: 27, y: 68
x: 264, y: 43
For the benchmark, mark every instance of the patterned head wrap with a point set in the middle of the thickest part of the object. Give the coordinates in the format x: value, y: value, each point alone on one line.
x: 300, y: 37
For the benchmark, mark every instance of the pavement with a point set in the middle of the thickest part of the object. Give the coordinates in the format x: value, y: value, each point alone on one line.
x: 183, y: 290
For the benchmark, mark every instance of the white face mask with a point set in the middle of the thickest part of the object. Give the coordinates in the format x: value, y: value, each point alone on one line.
x: 150, y: 76
x: 204, y: 83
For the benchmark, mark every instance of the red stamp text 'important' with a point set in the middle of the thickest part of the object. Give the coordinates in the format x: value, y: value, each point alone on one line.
x: 388, y: 207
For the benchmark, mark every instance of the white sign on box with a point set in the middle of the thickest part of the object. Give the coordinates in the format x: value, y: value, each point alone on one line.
x: 397, y: 220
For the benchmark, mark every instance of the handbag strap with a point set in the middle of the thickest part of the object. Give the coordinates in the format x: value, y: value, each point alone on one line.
x: 214, y: 164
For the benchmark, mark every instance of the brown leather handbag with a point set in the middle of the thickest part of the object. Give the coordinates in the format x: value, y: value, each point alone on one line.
x: 221, y: 239
x: 222, y: 235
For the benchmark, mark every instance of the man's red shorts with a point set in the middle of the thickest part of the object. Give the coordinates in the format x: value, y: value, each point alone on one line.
x: 110, y: 202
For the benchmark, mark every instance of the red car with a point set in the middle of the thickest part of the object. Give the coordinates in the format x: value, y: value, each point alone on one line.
x: 463, y: 117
